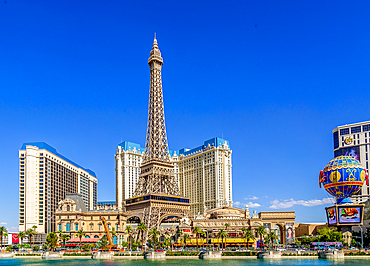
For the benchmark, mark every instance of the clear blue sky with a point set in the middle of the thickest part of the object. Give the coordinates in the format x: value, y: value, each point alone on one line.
x: 274, y: 77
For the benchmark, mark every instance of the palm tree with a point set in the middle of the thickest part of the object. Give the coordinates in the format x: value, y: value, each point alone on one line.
x: 142, y: 228
x: 203, y: 234
x: 80, y: 233
x: 244, y: 230
x: 20, y: 236
x: 128, y: 230
x: 65, y: 238
x: 248, y: 235
x: 34, y: 234
x: 29, y: 233
x: 261, y: 231
x: 185, y: 238
x: 179, y: 234
x: 113, y: 234
x: 223, y: 234
x: 197, y: 231
x: 226, y: 226
x: 154, y: 233
x: 172, y: 241
x: 5, y: 234
x: 167, y: 242
x: 60, y: 232
x: 3, y: 231
x: 52, y: 240
x: 271, y: 237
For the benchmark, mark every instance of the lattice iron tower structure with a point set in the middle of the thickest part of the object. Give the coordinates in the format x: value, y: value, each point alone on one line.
x: 157, y: 193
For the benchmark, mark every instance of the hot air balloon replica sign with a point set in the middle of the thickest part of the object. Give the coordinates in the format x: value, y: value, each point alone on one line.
x: 343, y: 177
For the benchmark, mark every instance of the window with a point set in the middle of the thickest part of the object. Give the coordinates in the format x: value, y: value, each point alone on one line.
x: 76, y: 227
x: 68, y: 227
x: 366, y: 127
x: 344, y: 131
x: 60, y: 227
x: 355, y: 129
x: 336, y: 139
x: 68, y: 208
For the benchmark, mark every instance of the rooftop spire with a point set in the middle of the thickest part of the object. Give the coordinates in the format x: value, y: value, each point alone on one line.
x: 155, y: 53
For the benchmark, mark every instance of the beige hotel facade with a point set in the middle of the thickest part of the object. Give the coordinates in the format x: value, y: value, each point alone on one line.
x: 45, y: 177
x: 204, y: 173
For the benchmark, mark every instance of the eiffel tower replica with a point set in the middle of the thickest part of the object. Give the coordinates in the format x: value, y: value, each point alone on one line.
x: 157, y: 194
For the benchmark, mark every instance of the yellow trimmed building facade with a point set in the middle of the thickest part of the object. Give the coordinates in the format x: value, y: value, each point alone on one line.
x: 72, y: 215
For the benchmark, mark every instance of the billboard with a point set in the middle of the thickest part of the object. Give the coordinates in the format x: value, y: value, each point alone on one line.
x: 289, y: 233
x: 267, y: 227
x: 353, y: 151
x: 345, y: 214
x: 349, y: 215
x: 331, y: 214
x: 15, y: 239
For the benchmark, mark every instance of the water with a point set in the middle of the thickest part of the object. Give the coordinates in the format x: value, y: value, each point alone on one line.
x: 187, y: 262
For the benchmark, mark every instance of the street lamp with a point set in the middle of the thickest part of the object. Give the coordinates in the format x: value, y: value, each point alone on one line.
x: 362, y: 237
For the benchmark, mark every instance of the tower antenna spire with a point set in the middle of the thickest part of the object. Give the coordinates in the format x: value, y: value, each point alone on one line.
x: 155, y: 35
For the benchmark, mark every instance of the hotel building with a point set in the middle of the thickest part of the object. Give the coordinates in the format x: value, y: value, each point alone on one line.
x: 354, y: 140
x: 204, y: 173
x: 45, y: 177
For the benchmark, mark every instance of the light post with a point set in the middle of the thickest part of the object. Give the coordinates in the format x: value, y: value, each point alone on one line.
x: 362, y: 237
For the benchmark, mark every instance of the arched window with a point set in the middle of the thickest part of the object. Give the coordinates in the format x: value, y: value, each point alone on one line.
x: 87, y: 237
x: 96, y: 236
x: 68, y: 208
x: 68, y: 227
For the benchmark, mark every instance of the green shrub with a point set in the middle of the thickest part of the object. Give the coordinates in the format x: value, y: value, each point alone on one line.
x: 36, y: 248
x: 361, y: 253
x: 76, y: 254
x: 9, y: 248
x: 27, y: 254
x: 182, y: 253
x: 239, y: 253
